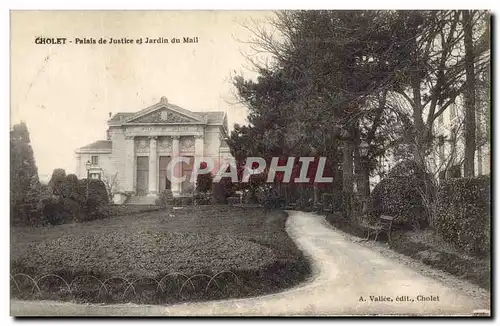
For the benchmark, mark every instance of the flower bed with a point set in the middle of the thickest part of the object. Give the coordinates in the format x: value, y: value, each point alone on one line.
x: 204, y: 252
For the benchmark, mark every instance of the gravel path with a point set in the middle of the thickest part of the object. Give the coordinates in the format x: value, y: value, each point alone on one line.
x: 350, y: 278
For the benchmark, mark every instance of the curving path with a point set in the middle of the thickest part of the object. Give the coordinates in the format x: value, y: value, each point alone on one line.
x: 344, y: 271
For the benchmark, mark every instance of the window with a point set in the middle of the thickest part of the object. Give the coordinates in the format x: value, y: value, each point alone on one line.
x: 94, y: 159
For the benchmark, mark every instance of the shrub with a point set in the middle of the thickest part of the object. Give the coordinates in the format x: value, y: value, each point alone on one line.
x: 24, y: 182
x: 55, y: 213
x: 305, y: 203
x: 462, y: 212
x: 70, y: 199
x: 58, y: 176
x: 24, y: 205
x: 67, y: 187
x: 165, y: 198
x: 332, y: 201
x: 204, y: 182
x: 92, y: 198
x: 74, y: 208
x: 408, y: 168
x: 406, y: 194
x: 97, y: 191
x: 401, y: 198
x: 222, y: 190
x: 273, y: 200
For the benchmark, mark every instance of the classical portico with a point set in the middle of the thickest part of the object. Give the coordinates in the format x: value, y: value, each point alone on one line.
x: 142, y: 144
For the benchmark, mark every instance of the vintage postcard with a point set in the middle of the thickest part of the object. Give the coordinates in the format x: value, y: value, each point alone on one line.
x: 250, y: 163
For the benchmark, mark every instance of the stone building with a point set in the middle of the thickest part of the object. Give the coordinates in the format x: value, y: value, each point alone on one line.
x: 140, y: 146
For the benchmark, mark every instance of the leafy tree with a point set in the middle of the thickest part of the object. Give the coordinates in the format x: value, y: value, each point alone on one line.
x: 311, y: 99
x: 469, y: 95
x: 24, y: 182
x: 334, y: 83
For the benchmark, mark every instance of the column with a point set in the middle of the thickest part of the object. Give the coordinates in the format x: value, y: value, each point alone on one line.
x: 176, y: 186
x: 129, y: 164
x: 153, y: 178
x: 198, y: 153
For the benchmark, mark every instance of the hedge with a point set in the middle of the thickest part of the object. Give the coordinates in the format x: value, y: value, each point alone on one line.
x: 407, y: 194
x: 463, y: 213
x: 400, y: 197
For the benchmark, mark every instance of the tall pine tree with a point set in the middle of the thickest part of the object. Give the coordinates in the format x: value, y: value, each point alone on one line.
x: 24, y: 182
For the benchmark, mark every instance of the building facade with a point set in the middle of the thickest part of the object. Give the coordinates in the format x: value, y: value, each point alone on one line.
x: 135, y: 157
x: 448, y: 158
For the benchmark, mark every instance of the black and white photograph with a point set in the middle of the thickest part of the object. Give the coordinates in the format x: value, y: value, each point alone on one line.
x: 250, y: 163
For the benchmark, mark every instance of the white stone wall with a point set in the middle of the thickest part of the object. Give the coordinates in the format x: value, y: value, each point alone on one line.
x: 212, y: 143
x: 123, y: 162
x: 482, y: 156
x: 105, y: 165
x: 211, y: 140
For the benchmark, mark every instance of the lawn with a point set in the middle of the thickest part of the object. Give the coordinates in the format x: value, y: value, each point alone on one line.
x: 195, y: 253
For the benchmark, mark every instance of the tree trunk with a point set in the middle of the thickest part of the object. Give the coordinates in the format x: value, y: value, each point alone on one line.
x: 347, y: 173
x: 366, y: 180
x: 469, y: 96
x: 317, y: 198
x: 358, y: 172
x: 419, y: 127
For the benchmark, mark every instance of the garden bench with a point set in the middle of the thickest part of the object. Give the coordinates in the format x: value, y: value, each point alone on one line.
x: 383, y: 225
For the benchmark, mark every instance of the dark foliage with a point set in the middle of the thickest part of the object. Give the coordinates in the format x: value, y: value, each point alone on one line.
x: 25, y: 186
x: 463, y: 213
x: 203, y: 198
x: 58, y: 177
x: 222, y: 190
x: 72, y: 200
x: 403, y: 195
x: 56, y: 213
x: 272, y: 200
x: 204, y: 182
x: 95, y: 198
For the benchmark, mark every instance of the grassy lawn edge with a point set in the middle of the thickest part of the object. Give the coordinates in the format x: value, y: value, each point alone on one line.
x: 288, y: 270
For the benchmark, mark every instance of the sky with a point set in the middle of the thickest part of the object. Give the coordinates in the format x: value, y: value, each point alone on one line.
x: 65, y: 92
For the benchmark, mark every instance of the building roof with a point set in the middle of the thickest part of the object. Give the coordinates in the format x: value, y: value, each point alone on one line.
x: 98, y: 146
x: 121, y: 116
x: 211, y: 117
